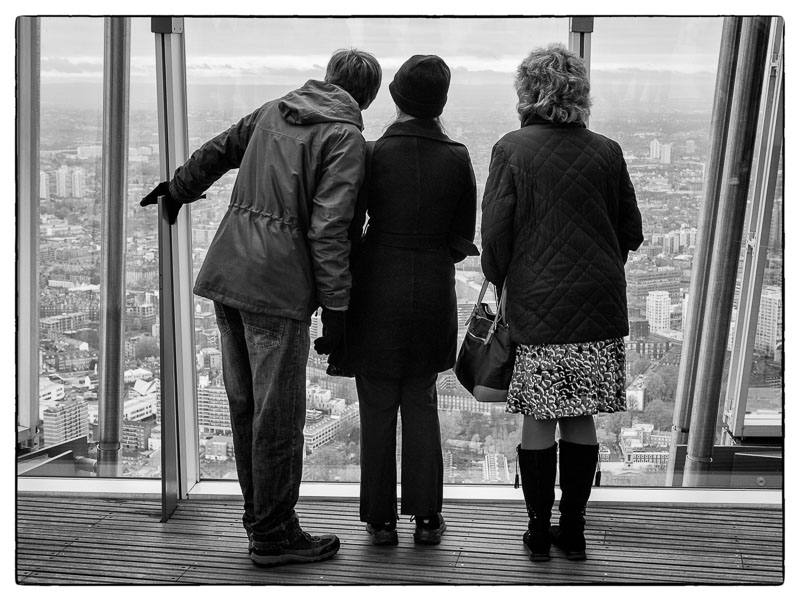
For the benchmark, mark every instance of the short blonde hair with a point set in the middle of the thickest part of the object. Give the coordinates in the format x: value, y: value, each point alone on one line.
x: 551, y: 83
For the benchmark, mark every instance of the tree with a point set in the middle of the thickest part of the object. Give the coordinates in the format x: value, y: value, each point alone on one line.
x: 147, y: 347
x: 659, y: 413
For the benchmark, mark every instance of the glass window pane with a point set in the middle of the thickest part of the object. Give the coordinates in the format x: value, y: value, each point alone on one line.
x: 234, y: 66
x: 653, y: 81
x: 70, y: 269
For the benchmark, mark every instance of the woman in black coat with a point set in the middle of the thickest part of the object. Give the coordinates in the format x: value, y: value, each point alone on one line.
x: 559, y: 218
x: 420, y: 200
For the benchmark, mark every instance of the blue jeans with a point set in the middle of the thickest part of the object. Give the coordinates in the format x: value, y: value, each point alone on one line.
x: 264, y: 369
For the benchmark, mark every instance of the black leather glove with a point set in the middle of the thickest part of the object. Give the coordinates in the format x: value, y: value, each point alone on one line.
x: 333, y: 324
x: 173, y: 206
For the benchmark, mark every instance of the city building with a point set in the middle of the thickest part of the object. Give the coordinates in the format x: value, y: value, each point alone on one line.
x: 78, y: 182
x: 44, y: 186
x: 62, y: 176
x: 495, y: 468
x: 666, y: 154
x: 138, y: 407
x: 642, y: 282
x: 655, y: 149
x: 658, y: 311
x: 769, y: 327
x: 65, y: 420
x: 136, y: 434
x: 213, y: 414
x: 50, y: 393
x: 67, y: 322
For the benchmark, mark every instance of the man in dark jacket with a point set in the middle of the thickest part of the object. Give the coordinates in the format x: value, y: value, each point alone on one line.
x: 280, y: 252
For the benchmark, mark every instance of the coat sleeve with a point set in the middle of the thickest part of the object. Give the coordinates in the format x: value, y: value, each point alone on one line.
x: 356, y: 230
x: 332, y: 211
x: 629, y: 219
x: 462, y: 230
x: 212, y: 160
x: 497, y: 218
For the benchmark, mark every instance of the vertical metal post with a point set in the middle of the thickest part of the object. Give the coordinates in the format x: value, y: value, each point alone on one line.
x: 580, y: 42
x: 725, y: 252
x: 765, y: 178
x: 27, y: 234
x: 116, y: 102
x: 718, y: 139
x: 580, y: 39
x: 180, y: 468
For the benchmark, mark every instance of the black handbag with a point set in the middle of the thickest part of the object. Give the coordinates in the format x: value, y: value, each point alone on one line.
x: 485, y: 361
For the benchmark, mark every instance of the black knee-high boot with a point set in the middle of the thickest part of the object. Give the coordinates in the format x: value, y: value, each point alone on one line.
x: 538, y: 471
x: 577, y: 467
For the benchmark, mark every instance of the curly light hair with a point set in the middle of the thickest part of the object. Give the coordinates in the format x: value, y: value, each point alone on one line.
x: 551, y: 83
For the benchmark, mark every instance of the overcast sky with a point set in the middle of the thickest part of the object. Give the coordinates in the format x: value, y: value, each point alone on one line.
x: 223, y: 48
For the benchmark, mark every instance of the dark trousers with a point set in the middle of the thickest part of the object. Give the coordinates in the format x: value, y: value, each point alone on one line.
x: 264, y: 370
x: 422, y: 467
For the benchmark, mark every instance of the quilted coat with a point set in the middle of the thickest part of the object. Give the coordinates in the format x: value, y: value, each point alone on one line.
x: 420, y: 198
x: 282, y: 247
x: 559, y: 217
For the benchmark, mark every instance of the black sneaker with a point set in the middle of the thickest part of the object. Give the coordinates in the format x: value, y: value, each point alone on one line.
x: 383, y: 534
x: 429, y: 529
x: 306, y: 549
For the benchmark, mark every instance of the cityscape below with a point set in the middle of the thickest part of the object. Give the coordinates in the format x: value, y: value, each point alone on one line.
x: 666, y: 153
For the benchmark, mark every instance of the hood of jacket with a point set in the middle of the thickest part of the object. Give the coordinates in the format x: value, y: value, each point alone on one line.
x: 320, y: 102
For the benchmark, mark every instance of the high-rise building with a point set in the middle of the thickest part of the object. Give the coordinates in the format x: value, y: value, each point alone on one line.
x: 78, y: 182
x: 44, y: 185
x: 62, y: 176
x: 770, y: 320
x: 657, y: 311
x: 666, y: 154
x: 212, y: 410
x: 64, y: 421
x: 655, y: 149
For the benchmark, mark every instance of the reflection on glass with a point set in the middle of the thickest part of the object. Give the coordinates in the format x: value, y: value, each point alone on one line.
x: 70, y: 245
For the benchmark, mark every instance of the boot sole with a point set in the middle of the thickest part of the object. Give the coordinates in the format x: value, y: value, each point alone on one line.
x: 280, y: 560
x: 536, y: 556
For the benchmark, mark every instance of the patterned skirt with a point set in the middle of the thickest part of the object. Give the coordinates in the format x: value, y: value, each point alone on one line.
x: 568, y: 380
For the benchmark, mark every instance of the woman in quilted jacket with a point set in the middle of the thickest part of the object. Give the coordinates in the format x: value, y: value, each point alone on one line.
x: 559, y: 217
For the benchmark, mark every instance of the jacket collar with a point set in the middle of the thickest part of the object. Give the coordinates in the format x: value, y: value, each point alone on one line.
x: 423, y: 128
x: 535, y: 119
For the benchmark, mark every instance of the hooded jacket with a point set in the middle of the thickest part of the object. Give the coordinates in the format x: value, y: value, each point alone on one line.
x: 559, y: 217
x: 282, y: 247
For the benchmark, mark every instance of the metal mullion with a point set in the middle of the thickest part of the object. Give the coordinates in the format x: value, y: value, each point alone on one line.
x: 27, y: 234
x: 729, y: 226
x: 765, y: 178
x: 580, y: 42
x: 698, y: 288
x: 180, y: 467
x: 116, y: 103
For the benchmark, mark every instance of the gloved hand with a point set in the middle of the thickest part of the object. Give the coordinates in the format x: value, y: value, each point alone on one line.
x: 333, y: 325
x: 173, y: 206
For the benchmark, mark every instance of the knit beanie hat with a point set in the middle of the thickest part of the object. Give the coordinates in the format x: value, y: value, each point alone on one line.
x: 420, y: 86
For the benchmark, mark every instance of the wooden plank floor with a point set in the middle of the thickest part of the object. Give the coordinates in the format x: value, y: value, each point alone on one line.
x: 82, y: 540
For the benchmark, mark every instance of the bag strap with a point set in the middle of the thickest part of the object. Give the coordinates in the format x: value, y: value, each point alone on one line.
x: 483, y: 291
x: 501, y: 302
